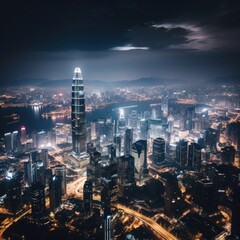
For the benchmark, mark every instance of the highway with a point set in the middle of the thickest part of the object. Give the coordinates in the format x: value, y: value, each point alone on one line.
x: 9, y: 221
x: 75, y: 187
x: 158, y: 230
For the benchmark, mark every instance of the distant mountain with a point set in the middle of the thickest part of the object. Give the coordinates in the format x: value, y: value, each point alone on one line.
x: 139, y: 82
x: 226, y: 80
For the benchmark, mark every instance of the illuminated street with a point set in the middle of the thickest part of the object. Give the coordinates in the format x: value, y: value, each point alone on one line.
x: 160, y: 231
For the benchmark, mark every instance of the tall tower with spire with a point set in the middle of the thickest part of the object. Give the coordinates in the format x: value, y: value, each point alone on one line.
x: 78, y: 114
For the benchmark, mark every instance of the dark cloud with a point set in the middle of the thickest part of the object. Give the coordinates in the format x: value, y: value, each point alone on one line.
x: 38, y: 34
x: 157, y: 38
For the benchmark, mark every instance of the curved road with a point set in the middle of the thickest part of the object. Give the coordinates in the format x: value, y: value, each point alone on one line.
x: 158, y: 230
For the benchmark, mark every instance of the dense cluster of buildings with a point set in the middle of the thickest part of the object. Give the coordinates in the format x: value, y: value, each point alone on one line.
x: 188, y: 148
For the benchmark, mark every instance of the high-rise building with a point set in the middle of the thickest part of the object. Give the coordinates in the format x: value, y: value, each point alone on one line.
x: 139, y: 152
x: 147, y: 115
x: 235, y: 229
x: 41, y: 139
x: 8, y: 142
x: 13, y: 199
x: 128, y: 140
x: 78, y: 114
x: 28, y: 176
x: 93, y: 131
x: 109, y: 130
x: 23, y: 134
x: 34, y: 156
x: 87, y: 198
x: 133, y: 119
x: 205, y: 195
x: 15, y: 141
x: 194, y: 155
x: 107, y: 227
x: 121, y: 122
x: 158, y: 154
x: 51, y: 138
x: 181, y: 153
x: 165, y: 106
x: 173, y: 197
x: 126, y: 175
x: 12, y: 142
x: 156, y: 128
x: 112, y: 152
x: 190, y: 112
x: 44, y: 158
x: 61, y: 171
x: 211, y: 137
x: 107, y: 216
x: 101, y: 129
x: 218, y: 174
x: 55, y: 192
x: 205, y: 154
x: 117, y: 141
x: 106, y: 198
x: 170, y: 123
x: 93, y: 168
x: 143, y: 129
x: 37, y: 202
x: 228, y: 154
x: 233, y: 133
x: 34, y: 139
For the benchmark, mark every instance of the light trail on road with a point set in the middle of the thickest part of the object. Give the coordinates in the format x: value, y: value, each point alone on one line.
x: 158, y: 230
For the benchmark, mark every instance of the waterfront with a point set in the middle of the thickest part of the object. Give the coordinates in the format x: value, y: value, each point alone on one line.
x: 31, y: 117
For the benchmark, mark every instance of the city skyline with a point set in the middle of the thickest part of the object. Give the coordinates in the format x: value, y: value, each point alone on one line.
x: 120, y: 120
x: 185, y: 41
x: 90, y: 160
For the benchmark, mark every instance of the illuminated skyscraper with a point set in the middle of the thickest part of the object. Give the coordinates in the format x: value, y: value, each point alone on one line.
x: 8, y: 142
x: 128, y: 142
x: 181, y: 152
x: 55, y: 192
x: 139, y: 152
x: 23, y: 134
x: 121, y: 122
x: 126, y: 177
x: 61, y: 171
x: 194, y: 155
x: 44, y: 158
x: 143, y: 129
x: 158, y: 154
x: 78, y: 114
x: 41, y: 139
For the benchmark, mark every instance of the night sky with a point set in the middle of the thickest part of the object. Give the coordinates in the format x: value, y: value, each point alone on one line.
x: 193, y: 41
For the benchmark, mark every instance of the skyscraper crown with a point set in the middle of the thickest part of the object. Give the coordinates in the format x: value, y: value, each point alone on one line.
x: 77, y: 74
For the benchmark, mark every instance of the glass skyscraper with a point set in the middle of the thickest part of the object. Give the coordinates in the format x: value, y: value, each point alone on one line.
x: 78, y: 114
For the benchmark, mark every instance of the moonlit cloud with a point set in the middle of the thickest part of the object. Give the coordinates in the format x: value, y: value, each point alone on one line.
x: 197, y: 38
x: 129, y: 47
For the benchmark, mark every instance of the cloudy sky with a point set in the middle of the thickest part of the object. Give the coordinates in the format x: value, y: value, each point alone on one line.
x: 120, y: 40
